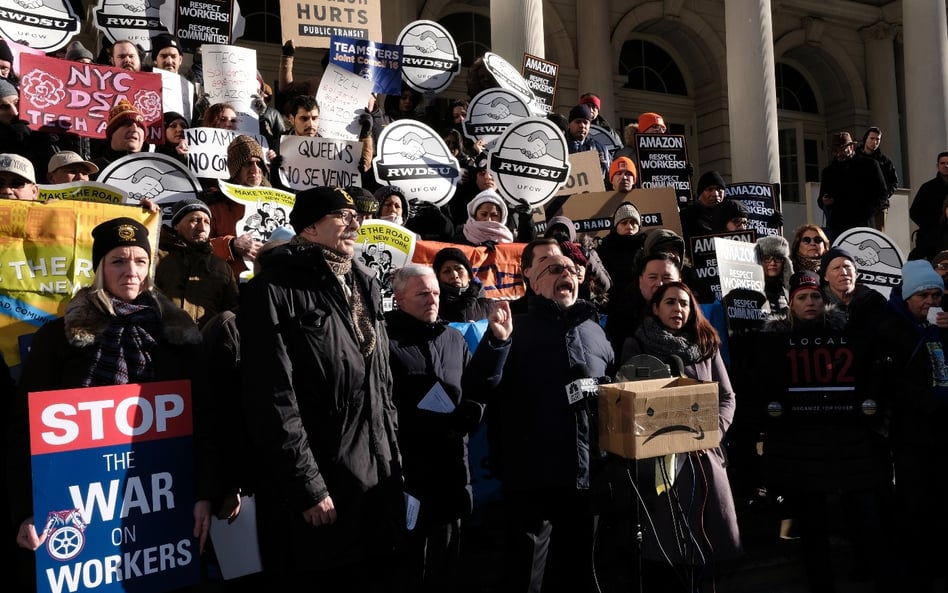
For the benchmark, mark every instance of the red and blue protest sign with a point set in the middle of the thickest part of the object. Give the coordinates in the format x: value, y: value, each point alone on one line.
x: 113, y: 488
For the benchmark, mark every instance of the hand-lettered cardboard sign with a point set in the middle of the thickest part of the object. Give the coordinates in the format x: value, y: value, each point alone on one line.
x: 319, y: 162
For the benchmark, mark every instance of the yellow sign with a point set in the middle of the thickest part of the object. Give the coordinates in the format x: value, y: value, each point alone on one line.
x: 45, y: 257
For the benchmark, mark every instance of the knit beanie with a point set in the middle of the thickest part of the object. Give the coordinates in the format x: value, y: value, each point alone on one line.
x: 622, y: 163
x: 123, y: 113
x: 7, y: 89
x: 182, y: 207
x: 919, y: 275
x: 161, y: 41
x: 388, y: 190
x: 805, y: 280
x: 316, y: 202
x: 488, y: 195
x: 708, y: 179
x: 118, y: 232
x: 580, y: 112
x: 649, y: 119
x: 75, y: 51
x: 173, y: 116
x: 832, y: 254
x: 939, y: 257
x: 563, y: 222
x: 626, y: 210
x: 776, y: 246
x: 5, y: 53
x: 452, y: 254
x: 661, y: 240
x: 240, y: 151
x: 365, y: 202
x: 727, y: 211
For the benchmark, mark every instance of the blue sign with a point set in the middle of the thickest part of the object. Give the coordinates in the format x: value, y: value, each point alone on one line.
x: 379, y: 62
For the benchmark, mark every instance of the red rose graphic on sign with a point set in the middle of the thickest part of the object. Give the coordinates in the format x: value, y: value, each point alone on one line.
x: 149, y: 103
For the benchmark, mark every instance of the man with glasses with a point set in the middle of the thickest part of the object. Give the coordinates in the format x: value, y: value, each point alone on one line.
x: 940, y: 263
x: 17, y: 179
x: 542, y: 439
x: 317, y: 393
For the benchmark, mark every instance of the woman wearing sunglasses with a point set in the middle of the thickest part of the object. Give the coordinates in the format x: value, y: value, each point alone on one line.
x: 808, y: 246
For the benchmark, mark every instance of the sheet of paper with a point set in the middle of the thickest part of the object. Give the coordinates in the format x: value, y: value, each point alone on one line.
x: 412, y: 506
x: 238, y: 552
x: 436, y: 400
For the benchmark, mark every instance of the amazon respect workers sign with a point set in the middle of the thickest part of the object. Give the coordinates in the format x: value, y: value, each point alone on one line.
x: 45, y: 257
x: 113, y: 488
x: 62, y: 96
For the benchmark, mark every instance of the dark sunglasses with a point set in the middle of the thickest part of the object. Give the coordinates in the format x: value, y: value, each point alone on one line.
x: 808, y: 240
x: 557, y: 269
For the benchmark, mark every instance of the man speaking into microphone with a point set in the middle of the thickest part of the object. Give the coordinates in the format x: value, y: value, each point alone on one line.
x: 543, y: 431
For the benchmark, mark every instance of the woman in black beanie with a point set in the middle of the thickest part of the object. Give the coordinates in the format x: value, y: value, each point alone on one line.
x: 462, y: 295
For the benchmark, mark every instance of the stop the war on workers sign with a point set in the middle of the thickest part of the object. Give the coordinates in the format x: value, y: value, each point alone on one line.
x: 113, y: 488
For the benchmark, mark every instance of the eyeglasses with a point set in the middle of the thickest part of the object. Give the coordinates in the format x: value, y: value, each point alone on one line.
x: 13, y: 183
x: 557, y: 269
x: 739, y: 221
x: 7, y: 106
x: 346, y: 216
x: 227, y: 120
x: 771, y: 259
x: 808, y: 240
x: 942, y: 266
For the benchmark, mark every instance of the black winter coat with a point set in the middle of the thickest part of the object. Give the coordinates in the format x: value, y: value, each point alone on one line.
x: 320, y: 414
x: 538, y: 441
x: 433, y: 445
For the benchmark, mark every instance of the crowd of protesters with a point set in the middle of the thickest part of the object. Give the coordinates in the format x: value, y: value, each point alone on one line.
x: 350, y: 425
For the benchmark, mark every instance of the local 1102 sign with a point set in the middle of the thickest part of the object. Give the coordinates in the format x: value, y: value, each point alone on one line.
x: 113, y: 489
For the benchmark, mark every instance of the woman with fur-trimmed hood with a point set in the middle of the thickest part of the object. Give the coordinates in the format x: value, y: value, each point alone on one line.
x: 121, y: 330
x: 773, y: 253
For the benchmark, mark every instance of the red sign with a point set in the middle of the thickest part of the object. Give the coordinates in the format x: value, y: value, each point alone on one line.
x: 63, y: 96
x: 73, y: 419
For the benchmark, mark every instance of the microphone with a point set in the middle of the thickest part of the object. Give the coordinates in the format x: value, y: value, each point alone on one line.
x: 581, y: 385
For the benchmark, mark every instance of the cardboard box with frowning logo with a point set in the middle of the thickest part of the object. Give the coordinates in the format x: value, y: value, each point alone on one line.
x: 656, y: 417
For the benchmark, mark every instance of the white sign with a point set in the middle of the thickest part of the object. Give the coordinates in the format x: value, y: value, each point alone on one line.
x: 230, y: 77
x: 342, y: 97
x: 207, y: 150
x: 319, y: 162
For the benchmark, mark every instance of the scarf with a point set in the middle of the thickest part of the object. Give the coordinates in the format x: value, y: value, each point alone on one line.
x: 801, y: 263
x: 657, y: 340
x: 341, y: 266
x: 123, y: 352
x: 481, y: 231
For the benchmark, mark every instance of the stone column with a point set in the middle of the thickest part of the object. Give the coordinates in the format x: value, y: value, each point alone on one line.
x: 883, y: 94
x: 752, y: 91
x: 396, y: 16
x: 926, y: 87
x: 595, y: 59
x: 516, y: 28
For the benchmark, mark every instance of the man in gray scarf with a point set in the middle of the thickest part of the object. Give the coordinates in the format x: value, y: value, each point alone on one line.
x: 317, y: 394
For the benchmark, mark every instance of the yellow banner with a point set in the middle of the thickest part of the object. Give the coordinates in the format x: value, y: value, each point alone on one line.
x: 45, y: 257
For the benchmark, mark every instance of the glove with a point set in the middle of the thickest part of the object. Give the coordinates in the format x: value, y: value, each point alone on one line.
x: 776, y: 219
x: 276, y: 162
x: 365, y: 125
x: 466, y: 417
x: 288, y: 49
